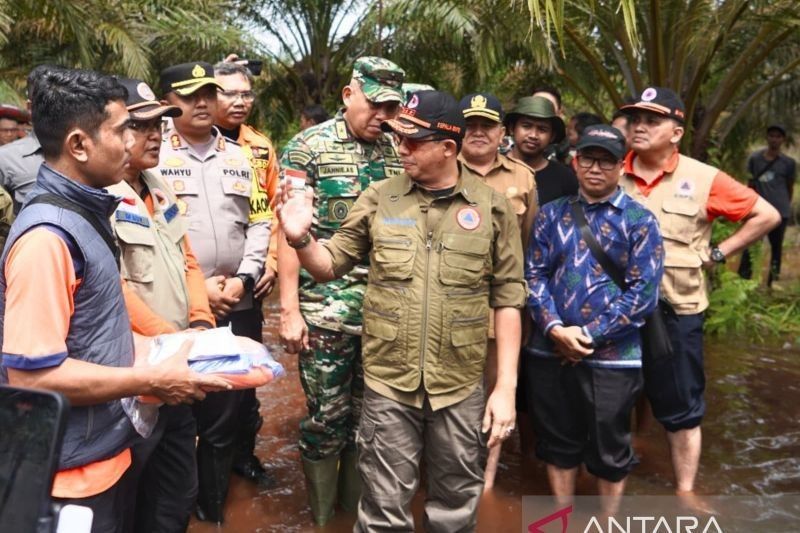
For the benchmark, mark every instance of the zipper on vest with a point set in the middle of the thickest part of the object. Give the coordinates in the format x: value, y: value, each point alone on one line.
x: 424, y: 336
x: 89, y: 420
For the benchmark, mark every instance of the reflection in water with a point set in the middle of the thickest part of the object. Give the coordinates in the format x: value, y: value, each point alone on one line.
x: 751, y: 445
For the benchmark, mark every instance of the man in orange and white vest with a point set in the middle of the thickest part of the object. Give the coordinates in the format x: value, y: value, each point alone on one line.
x: 686, y: 196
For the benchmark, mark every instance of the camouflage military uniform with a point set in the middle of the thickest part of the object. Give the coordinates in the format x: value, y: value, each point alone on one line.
x: 339, y: 168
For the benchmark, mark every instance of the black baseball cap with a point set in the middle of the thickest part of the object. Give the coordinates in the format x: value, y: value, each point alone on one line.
x: 142, y: 103
x: 428, y: 113
x: 602, y: 136
x: 482, y: 105
x: 775, y: 126
x: 660, y: 100
x: 186, y: 78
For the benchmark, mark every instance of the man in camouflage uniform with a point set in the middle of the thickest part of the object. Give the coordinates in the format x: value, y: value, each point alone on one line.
x: 339, y: 159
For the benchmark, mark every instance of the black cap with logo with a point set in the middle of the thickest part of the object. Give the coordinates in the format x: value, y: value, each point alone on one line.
x: 608, y: 138
x: 659, y: 100
x: 428, y: 113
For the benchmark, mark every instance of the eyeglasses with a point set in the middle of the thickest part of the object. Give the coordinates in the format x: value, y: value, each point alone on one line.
x: 413, y: 144
x: 147, y: 126
x: 586, y: 161
x: 246, y: 96
x: 9, y: 130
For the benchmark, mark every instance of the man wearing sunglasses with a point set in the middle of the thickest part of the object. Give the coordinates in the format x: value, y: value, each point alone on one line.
x: 584, y: 356
x: 164, y: 292
x: 213, y: 181
x: 339, y: 159
x: 443, y: 249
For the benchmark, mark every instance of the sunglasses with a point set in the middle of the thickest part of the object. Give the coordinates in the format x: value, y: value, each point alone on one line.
x: 414, y: 144
x: 147, y: 126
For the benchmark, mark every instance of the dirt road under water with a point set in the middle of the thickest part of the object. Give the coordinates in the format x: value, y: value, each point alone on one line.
x: 751, y: 444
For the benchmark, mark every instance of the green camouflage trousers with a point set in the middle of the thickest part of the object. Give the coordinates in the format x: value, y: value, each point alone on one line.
x: 333, y: 380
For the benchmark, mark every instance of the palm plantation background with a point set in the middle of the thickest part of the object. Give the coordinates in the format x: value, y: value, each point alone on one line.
x: 736, y: 63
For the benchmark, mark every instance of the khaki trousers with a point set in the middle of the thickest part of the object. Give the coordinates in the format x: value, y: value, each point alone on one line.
x: 393, y: 437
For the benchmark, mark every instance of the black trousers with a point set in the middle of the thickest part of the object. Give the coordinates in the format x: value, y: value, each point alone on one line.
x: 112, y: 508
x: 775, y: 238
x: 168, y: 481
x: 248, y: 324
x: 219, y: 422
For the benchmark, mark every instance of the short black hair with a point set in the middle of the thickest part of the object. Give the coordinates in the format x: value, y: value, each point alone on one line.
x: 34, y: 75
x: 549, y: 89
x: 67, y: 98
x: 585, y: 119
x: 316, y: 113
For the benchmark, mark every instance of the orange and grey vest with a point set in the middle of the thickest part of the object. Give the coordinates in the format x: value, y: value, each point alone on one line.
x: 426, y: 308
x: 679, y: 203
x: 99, y: 328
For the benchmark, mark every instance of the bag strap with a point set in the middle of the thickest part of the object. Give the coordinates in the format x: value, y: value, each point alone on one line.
x: 764, y: 170
x: 88, y: 216
x: 611, y: 268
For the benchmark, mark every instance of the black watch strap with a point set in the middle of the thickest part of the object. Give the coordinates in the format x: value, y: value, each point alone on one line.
x: 248, y: 281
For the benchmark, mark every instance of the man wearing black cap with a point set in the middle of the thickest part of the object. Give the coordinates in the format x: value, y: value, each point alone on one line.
x: 686, y: 196
x: 592, y: 325
x: 443, y: 249
x: 773, y: 176
x: 164, y: 291
x: 214, y: 184
x: 535, y: 125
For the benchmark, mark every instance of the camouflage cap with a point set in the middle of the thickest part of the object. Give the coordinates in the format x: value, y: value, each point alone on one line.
x: 380, y: 79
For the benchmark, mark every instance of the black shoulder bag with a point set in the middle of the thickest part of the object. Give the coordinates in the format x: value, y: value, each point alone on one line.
x: 655, y: 338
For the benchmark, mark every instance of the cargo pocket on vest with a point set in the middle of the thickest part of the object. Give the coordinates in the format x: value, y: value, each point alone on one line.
x: 463, y: 261
x: 138, y: 251
x: 380, y: 335
x: 393, y: 258
x: 678, y: 221
x: 683, y: 276
x: 468, y: 320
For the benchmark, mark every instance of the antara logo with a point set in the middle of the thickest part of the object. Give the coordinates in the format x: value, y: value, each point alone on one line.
x: 563, y: 514
x: 653, y: 524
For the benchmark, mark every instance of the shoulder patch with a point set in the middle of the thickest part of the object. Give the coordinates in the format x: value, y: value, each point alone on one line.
x: 299, y: 157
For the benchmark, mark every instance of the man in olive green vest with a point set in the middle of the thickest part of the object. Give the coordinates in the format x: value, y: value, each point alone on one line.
x: 686, y: 196
x: 444, y: 248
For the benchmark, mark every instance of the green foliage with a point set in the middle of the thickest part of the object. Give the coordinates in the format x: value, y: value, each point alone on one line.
x: 740, y: 308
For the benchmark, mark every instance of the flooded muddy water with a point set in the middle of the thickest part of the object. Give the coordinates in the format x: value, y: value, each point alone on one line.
x: 751, y: 445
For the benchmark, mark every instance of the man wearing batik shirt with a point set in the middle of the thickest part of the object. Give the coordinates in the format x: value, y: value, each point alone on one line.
x: 585, y: 357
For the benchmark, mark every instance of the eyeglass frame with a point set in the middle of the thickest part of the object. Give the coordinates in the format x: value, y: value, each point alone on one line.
x: 593, y: 160
x: 248, y: 97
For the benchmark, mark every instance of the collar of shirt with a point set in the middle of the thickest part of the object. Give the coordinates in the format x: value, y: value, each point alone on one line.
x: 98, y: 201
x: 499, y: 161
x: 461, y: 187
x: 619, y: 200
x: 178, y: 142
x: 670, y: 166
x: 32, y: 145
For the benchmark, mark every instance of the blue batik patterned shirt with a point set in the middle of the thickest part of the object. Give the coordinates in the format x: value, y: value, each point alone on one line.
x: 568, y: 286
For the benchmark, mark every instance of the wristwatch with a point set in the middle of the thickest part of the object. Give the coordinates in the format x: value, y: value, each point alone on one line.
x: 716, y: 255
x: 247, y: 281
x: 302, y: 243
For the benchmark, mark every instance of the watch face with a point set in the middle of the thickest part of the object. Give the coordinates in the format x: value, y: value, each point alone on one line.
x: 717, y: 255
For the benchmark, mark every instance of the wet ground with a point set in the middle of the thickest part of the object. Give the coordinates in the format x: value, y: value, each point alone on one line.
x: 751, y: 442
